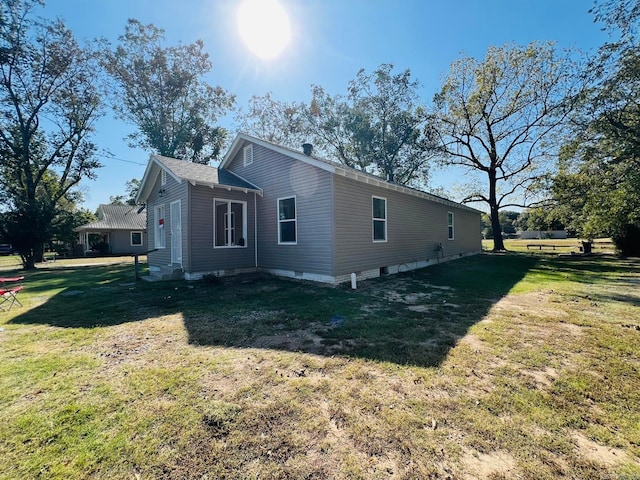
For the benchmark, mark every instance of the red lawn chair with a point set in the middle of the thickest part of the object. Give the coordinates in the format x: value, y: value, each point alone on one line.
x: 9, y: 289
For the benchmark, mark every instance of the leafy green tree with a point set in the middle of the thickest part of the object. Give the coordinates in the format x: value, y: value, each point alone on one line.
x: 508, y: 221
x: 69, y: 217
x: 49, y: 102
x: 538, y: 219
x: 485, y: 226
x: 379, y: 126
x: 497, y: 117
x: 131, y: 187
x: 277, y: 122
x: 161, y: 90
x: 597, y: 190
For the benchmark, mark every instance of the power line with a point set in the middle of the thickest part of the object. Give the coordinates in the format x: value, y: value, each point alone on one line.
x: 110, y: 157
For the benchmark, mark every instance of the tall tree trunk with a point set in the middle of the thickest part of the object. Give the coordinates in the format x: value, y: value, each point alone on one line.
x: 28, y: 261
x: 38, y: 252
x: 498, y: 244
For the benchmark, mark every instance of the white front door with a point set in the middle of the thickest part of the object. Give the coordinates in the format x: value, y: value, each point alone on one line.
x: 176, y: 233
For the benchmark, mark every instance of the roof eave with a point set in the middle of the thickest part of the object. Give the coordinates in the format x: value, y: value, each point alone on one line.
x: 259, y: 191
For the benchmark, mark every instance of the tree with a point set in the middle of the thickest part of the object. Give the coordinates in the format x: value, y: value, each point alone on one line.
x: 538, y: 219
x: 131, y: 187
x: 497, y: 117
x: 508, y: 221
x: 64, y: 237
x: 274, y: 121
x: 379, y: 126
x: 161, y: 91
x: 49, y: 102
x: 597, y: 190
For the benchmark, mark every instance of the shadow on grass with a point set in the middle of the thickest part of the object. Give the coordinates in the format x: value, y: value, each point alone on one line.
x: 412, y: 318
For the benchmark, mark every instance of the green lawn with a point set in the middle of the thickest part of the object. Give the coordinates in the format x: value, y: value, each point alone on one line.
x: 496, y: 366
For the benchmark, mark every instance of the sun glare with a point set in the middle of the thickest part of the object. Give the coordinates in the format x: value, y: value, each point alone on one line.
x: 264, y: 27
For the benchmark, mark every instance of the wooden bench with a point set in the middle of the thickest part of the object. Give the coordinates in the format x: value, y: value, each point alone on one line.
x: 540, y: 246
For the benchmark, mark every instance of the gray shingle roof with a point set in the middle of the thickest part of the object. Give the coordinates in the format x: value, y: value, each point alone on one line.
x: 117, y: 217
x: 204, y: 174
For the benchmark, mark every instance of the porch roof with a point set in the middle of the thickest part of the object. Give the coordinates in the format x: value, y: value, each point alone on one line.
x: 116, y: 217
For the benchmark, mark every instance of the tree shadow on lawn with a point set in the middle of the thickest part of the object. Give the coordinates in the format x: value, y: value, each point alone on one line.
x: 411, y: 318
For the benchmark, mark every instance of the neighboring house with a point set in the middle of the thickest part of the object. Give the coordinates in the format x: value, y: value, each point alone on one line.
x: 539, y: 234
x: 270, y: 208
x: 120, y: 229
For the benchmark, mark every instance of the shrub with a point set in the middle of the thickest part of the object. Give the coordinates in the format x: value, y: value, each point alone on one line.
x: 627, y: 241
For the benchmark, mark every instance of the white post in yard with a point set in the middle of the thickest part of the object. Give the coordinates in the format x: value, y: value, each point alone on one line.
x: 353, y: 281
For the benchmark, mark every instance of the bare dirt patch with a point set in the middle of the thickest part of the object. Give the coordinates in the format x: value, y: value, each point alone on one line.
x: 474, y: 342
x: 543, y: 378
x: 600, y: 454
x: 479, y: 466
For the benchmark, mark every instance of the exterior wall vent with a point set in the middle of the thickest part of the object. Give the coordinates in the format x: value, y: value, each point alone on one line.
x: 247, y: 153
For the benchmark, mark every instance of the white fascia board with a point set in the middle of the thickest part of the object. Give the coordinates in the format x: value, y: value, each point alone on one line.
x: 143, y: 193
x: 228, y: 188
x: 149, y: 178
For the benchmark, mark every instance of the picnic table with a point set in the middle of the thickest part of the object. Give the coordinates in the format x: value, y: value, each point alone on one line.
x: 9, y: 289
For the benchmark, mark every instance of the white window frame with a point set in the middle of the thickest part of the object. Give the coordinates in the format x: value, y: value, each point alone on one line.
x: 141, y: 238
x: 163, y: 178
x: 247, y: 155
x: 294, y: 220
x: 159, y: 231
x: 450, y: 226
x: 375, y: 219
x: 228, y: 232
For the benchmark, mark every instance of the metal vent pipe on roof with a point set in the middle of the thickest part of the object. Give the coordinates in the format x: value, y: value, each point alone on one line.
x: 307, y: 148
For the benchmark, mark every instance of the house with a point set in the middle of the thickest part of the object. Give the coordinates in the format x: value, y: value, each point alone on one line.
x: 120, y: 229
x: 274, y: 209
x: 539, y: 234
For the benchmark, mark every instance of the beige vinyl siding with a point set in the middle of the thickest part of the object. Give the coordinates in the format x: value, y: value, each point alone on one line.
x: 415, y: 227
x: 467, y: 232
x: 280, y: 176
x: 206, y: 258
x: 173, y: 191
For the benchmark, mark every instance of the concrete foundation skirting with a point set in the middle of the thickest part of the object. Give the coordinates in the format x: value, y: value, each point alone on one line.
x: 343, y: 278
x: 219, y: 273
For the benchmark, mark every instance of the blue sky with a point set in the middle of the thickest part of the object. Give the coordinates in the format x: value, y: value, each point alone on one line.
x: 331, y: 41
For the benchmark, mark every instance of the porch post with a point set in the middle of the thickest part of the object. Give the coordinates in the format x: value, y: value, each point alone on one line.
x: 255, y: 227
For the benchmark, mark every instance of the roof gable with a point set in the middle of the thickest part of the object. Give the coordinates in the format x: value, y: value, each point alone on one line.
x: 194, y: 173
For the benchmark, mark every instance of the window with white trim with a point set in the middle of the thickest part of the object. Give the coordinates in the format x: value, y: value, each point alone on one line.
x: 379, y: 218
x: 136, y: 239
x: 158, y: 227
x: 229, y: 223
x: 163, y: 177
x: 247, y: 155
x: 450, y: 225
x: 287, y: 221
